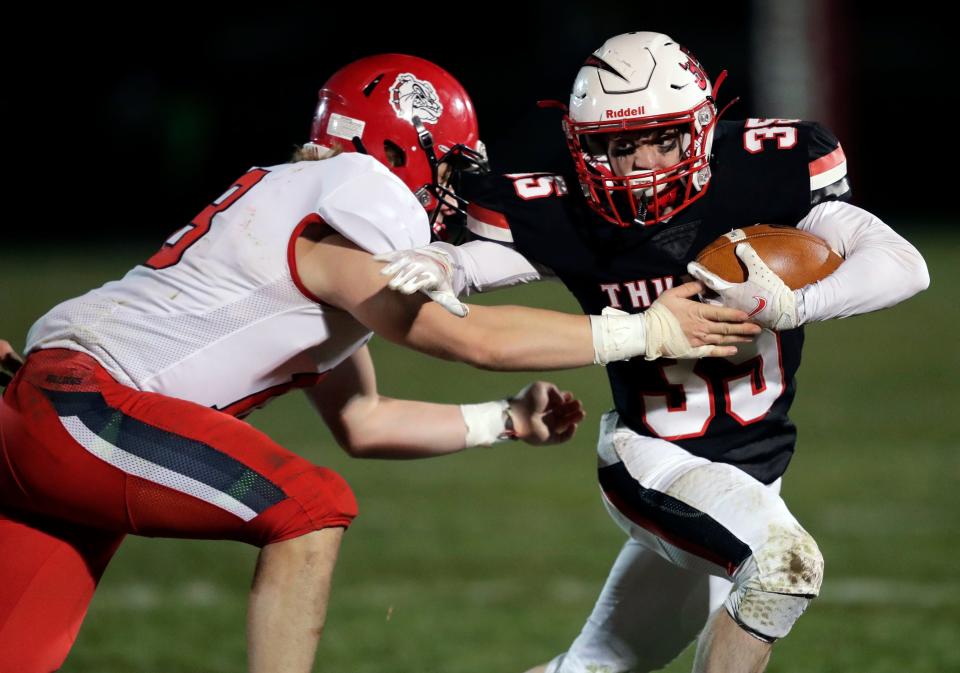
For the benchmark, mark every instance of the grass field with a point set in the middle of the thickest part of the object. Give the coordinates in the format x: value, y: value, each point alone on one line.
x: 490, y: 560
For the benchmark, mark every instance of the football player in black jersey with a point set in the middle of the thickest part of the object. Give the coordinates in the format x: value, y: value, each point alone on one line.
x: 692, y: 456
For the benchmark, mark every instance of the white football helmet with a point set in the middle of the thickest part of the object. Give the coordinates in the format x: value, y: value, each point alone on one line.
x: 639, y: 82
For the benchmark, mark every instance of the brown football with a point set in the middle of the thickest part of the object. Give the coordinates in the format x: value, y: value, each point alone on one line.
x: 797, y: 257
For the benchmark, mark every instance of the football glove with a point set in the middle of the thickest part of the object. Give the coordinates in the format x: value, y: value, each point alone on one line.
x: 763, y: 295
x: 428, y: 270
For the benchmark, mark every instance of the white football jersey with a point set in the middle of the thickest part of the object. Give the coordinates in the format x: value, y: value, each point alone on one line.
x: 218, y: 316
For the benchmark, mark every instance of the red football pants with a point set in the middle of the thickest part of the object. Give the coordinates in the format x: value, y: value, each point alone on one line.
x: 85, y: 460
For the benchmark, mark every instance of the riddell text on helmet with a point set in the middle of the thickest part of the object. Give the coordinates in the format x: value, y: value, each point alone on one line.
x: 625, y: 112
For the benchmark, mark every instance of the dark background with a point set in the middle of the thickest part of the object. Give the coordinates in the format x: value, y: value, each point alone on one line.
x: 128, y: 122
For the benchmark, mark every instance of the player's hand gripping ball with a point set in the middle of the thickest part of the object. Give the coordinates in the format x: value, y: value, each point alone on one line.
x: 756, y: 269
x: 797, y: 257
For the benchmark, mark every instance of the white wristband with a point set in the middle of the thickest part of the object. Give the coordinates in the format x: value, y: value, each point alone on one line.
x: 486, y: 423
x: 617, y: 335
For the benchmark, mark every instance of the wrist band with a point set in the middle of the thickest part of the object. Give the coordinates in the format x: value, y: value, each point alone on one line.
x: 487, y: 423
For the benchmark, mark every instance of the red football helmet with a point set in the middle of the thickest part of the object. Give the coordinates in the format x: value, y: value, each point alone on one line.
x: 409, y: 114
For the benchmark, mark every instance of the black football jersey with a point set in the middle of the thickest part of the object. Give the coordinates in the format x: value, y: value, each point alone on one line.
x: 731, y: 410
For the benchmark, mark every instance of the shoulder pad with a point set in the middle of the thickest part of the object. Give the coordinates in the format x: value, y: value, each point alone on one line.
x: 785, y: 165
x: 372, y: 207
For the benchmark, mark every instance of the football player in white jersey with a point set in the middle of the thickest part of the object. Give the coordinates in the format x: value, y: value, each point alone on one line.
x: 690, y: 460
x: 124, y: 417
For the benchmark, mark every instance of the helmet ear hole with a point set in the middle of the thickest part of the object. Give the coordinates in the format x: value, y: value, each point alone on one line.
x: 394, y: 153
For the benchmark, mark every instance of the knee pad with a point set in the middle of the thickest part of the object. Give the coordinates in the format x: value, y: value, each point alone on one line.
x: 776, y: 584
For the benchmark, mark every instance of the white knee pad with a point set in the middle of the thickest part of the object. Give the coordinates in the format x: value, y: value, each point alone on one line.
x: 776, y: 584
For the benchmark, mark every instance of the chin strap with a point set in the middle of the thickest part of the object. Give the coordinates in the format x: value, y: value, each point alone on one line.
x: 358, y: 145
x: 656, y: 203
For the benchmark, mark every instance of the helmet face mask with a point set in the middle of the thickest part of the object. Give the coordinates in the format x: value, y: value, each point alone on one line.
x: 639, y: 83
x: 439, y: 196
x: 409, y: 114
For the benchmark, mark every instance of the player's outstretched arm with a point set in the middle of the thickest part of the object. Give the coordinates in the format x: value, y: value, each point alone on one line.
x: 512, y: 337
x: 368, y: 425
x: 444, y: 272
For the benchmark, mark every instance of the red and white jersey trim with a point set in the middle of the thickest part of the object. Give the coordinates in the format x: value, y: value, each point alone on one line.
x: 828, y: 169
x: 488, y: 224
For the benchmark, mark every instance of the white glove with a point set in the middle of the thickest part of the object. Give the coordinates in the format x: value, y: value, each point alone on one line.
x: 428, y: 270
x: 763, y: 295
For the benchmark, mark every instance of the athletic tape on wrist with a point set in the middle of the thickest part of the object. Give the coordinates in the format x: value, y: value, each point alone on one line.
x: 486, y: 422
x: 617, y: 336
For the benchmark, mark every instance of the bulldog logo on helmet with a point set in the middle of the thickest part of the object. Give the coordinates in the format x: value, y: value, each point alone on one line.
x: 410, y: 96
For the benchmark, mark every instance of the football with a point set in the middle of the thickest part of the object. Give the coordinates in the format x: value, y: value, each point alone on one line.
x: 799, y: 258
